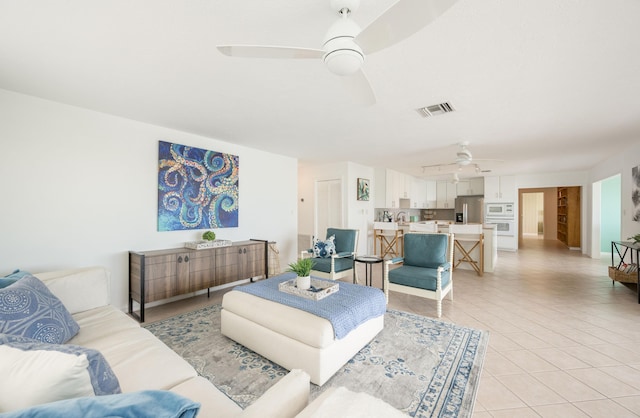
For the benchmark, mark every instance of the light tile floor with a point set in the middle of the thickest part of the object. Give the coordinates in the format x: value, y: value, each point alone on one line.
x: 563, y: 342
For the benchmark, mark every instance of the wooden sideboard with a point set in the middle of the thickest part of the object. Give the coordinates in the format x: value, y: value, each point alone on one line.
x: 161, y: 274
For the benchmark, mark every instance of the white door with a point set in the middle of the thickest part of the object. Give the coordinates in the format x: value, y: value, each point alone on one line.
x: 328, y: 211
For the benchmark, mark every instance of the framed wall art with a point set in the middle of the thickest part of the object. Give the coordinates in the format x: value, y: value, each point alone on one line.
x: 363, y: 189
x: 197, y: 188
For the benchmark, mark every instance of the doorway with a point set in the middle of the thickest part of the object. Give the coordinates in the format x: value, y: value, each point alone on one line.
x: 533, y: 215
x: 607, y: 208
x: 541, y: 213
x: 328, y: 210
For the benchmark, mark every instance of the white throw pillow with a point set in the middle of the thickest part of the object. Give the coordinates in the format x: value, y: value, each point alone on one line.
x: 31, y: 378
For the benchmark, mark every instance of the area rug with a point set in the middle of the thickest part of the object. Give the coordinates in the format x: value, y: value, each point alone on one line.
x: 421, y: 366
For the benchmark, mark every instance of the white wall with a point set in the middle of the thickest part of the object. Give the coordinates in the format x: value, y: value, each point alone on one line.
x: 569, y: 178
x: 361, y: 213
x: 308, y: 174
x: 356, y: 214
x: 558, y: 179
x: 621, y: 163
x: 80, y: 188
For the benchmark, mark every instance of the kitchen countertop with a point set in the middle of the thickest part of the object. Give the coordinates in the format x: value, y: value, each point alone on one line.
x: 484, y: 226
x: 441, y: 223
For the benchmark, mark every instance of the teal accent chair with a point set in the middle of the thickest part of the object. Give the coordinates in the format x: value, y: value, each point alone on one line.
x: 341, y: 263
x: 426, y: 268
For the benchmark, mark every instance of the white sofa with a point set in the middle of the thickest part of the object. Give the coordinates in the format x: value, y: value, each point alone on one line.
x: 141, y: 361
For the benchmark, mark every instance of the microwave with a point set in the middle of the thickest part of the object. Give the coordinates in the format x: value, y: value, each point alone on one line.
x: 499, y: 210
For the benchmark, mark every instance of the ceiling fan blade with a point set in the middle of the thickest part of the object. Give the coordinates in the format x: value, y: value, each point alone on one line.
x: 400, y: 21
x: 488, y: 160
x: 438, y: 166
x: 261, y: 51
x: 360, y: 88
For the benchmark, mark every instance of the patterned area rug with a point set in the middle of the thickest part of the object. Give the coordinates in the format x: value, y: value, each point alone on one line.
x: 421, y: 366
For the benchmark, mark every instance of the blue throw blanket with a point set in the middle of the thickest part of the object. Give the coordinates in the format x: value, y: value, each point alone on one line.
x: 142, y: 404
x: 351, y: 306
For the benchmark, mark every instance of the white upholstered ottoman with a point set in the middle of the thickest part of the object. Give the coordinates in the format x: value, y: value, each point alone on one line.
x: 296, y: 339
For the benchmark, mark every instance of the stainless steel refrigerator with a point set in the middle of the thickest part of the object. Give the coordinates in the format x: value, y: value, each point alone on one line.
x: 470, y: 209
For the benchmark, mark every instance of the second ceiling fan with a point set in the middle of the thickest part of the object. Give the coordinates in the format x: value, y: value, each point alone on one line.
x: 464, y: 158
x: 346, y: 46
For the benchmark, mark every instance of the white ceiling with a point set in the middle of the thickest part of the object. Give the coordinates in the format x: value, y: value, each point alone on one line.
x: 544, y: 85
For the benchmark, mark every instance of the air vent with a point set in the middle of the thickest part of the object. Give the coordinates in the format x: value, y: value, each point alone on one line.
x: 435, y: 110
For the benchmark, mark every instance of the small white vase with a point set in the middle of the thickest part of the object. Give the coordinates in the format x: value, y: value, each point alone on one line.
x: 303, y: 283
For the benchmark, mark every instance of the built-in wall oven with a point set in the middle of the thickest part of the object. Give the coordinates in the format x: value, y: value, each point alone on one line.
x: 502, y: 215
x: 504, y: 227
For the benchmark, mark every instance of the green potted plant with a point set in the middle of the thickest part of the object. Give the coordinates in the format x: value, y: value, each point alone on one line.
x: 209, y: 236
x: 635, y: 238
x: 302, y: 268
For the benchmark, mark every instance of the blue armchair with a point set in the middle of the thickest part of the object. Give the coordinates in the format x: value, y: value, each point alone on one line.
x: 426, y: 268
x: 338, y: 263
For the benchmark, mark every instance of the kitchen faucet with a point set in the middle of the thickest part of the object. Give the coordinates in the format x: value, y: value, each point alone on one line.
x: 400, y: 217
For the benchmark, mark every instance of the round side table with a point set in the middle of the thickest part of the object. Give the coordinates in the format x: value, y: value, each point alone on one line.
x: 369, y: 261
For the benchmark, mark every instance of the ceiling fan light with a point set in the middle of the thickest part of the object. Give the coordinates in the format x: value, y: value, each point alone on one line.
x: 464, y: 156
x: 344, y: 61
x: 343, y: 55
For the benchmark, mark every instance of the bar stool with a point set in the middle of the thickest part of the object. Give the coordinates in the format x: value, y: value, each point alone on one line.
x: 466, y: 239
x: 390, y: 238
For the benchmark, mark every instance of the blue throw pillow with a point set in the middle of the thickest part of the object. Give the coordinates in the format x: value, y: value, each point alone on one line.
x: 29, y: 309
x: 103, y: 380
x: 324, y: 249
x: 12, y: 278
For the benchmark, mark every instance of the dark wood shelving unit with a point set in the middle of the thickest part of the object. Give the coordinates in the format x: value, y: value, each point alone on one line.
x: 569, y: 216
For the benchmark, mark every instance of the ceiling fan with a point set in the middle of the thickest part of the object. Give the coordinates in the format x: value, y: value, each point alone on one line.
x: 464, y: 158
x: 345, y: 45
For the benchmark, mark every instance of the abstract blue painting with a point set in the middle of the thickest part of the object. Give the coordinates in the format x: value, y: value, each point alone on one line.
x: 197, y: 189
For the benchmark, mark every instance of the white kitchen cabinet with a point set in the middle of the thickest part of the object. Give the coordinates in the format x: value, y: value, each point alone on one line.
x: 432, y: 195
x: 403, y: 185
x: 470, y: 187
x: 418, y: 193
x: 391, y: 198
x: 491, y: 188
x: 462, y: 188
x: 500, y: 189
x: 396, y: 186
x: 445, y: 195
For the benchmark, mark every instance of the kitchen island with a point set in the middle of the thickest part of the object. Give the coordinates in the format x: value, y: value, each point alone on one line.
x: 490, y: 248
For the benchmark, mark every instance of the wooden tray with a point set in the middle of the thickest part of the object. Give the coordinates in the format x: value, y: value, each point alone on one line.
x: 202, y: 245
x: 322, y: 289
